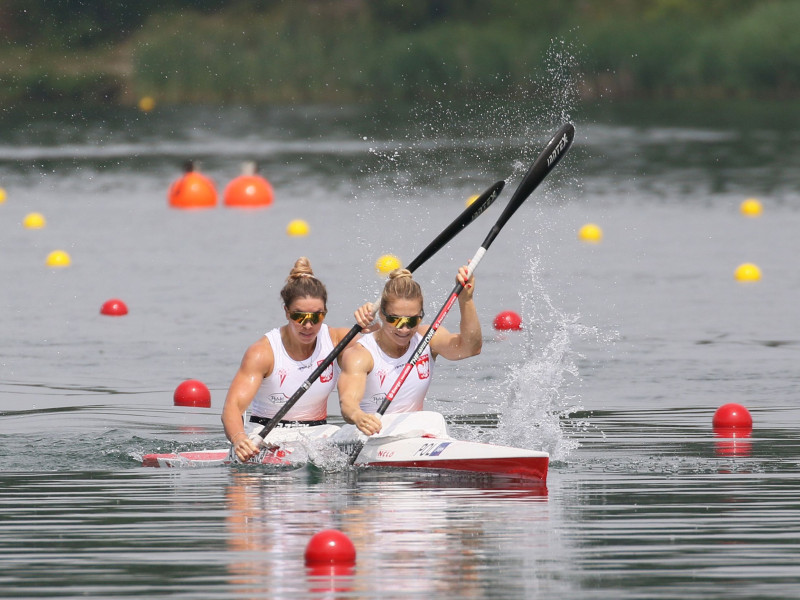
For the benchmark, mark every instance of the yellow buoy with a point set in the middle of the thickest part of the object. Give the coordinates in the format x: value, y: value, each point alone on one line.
x: 33, y: 221
x: 146, y: 104
x: 58, y: 258
x: 747, y: 272
x: 472, y: 199
x: 2, y: 195
x: 298, y: 227
x: 751, y: 208
x: 386, y: 264
x: 590, y: 233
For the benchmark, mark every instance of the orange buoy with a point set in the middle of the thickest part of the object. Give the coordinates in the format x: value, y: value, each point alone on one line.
x: 248, y: 190
x: 193, y: 190
x: 192, y: 393
x: 114, y: 308
x: 508, y: 320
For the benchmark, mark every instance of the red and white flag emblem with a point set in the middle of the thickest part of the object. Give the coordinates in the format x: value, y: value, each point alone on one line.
x: 423, y: 367
x: 327, y: 374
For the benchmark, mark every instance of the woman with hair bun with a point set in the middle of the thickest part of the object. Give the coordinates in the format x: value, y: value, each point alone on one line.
x: 275, y: 366
x: 371, y: 366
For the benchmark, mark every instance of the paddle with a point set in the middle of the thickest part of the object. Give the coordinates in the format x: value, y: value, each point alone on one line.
x: 555, y: 149
x: 472, y: 212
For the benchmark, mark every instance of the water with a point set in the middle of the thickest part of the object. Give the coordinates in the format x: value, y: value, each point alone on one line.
x: 628, y: 349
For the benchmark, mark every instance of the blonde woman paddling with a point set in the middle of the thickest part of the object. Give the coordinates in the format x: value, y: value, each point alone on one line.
x: 371, y: 366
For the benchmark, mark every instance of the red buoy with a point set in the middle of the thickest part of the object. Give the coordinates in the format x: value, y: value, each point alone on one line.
x: 114, y: 308
x: 193, y: 190
x: 192, y: 393
x: 249, y: 190
x: 733, y: 416
x: 330, y: 546
x: 508, y: 320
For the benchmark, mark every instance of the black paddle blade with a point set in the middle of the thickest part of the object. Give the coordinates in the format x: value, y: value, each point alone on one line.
x: 549, y: 157
x: 472, y: 212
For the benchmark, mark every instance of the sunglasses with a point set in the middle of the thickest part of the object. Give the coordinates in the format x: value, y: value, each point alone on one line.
x: 301, y: 318
x: 400, y: 322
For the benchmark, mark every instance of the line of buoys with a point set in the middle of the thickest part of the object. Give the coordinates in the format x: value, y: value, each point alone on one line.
x: 2, y: 195
x: 387, y: 263
x: 193, y: 190
x: 748, y: 272
x: 249, y: 190
x: 192, y: 393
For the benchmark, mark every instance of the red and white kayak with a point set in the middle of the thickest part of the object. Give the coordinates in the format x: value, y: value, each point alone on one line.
x: 407, y: 441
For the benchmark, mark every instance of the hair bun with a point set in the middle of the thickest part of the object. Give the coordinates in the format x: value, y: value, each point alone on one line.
x: 399, y: 273
x: 302, y: 268
x: 302, y: 283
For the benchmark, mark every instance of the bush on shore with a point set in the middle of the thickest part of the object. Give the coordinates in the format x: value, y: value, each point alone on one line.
x: 356, y: 51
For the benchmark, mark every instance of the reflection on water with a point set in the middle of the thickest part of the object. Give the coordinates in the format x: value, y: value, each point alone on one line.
x: 412, y: 526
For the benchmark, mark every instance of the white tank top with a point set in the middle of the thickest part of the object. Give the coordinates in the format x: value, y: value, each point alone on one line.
x: 288, y: 375
x: 385, y: 371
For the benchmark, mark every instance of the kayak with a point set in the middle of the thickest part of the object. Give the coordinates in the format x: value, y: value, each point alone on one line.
x: 417, y: 441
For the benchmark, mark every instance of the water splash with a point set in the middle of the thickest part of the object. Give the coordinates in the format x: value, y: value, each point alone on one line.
x: 561, y: 84
x: 537, y: 396
x: 326, y: 456
x: 449, y: 146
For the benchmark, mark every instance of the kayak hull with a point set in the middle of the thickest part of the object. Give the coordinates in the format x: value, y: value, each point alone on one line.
x: 409, y: 453
x: 416, y: 441
x: 532, y: 468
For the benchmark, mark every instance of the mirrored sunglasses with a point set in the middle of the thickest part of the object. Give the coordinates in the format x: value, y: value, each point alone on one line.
x: 301, y: 318
x: 400, y: 322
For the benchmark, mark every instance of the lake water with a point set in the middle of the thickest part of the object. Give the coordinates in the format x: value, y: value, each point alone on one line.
x: 629, y: 347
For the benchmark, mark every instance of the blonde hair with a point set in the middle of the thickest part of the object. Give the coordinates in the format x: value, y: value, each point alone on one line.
x: 302, y: 283
x: 400, y: 287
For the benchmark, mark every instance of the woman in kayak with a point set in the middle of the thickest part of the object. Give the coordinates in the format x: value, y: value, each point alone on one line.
x: 275, y: 366
x: 371, y: 366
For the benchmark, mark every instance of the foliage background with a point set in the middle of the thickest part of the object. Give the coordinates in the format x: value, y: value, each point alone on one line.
x: 280, y: 51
